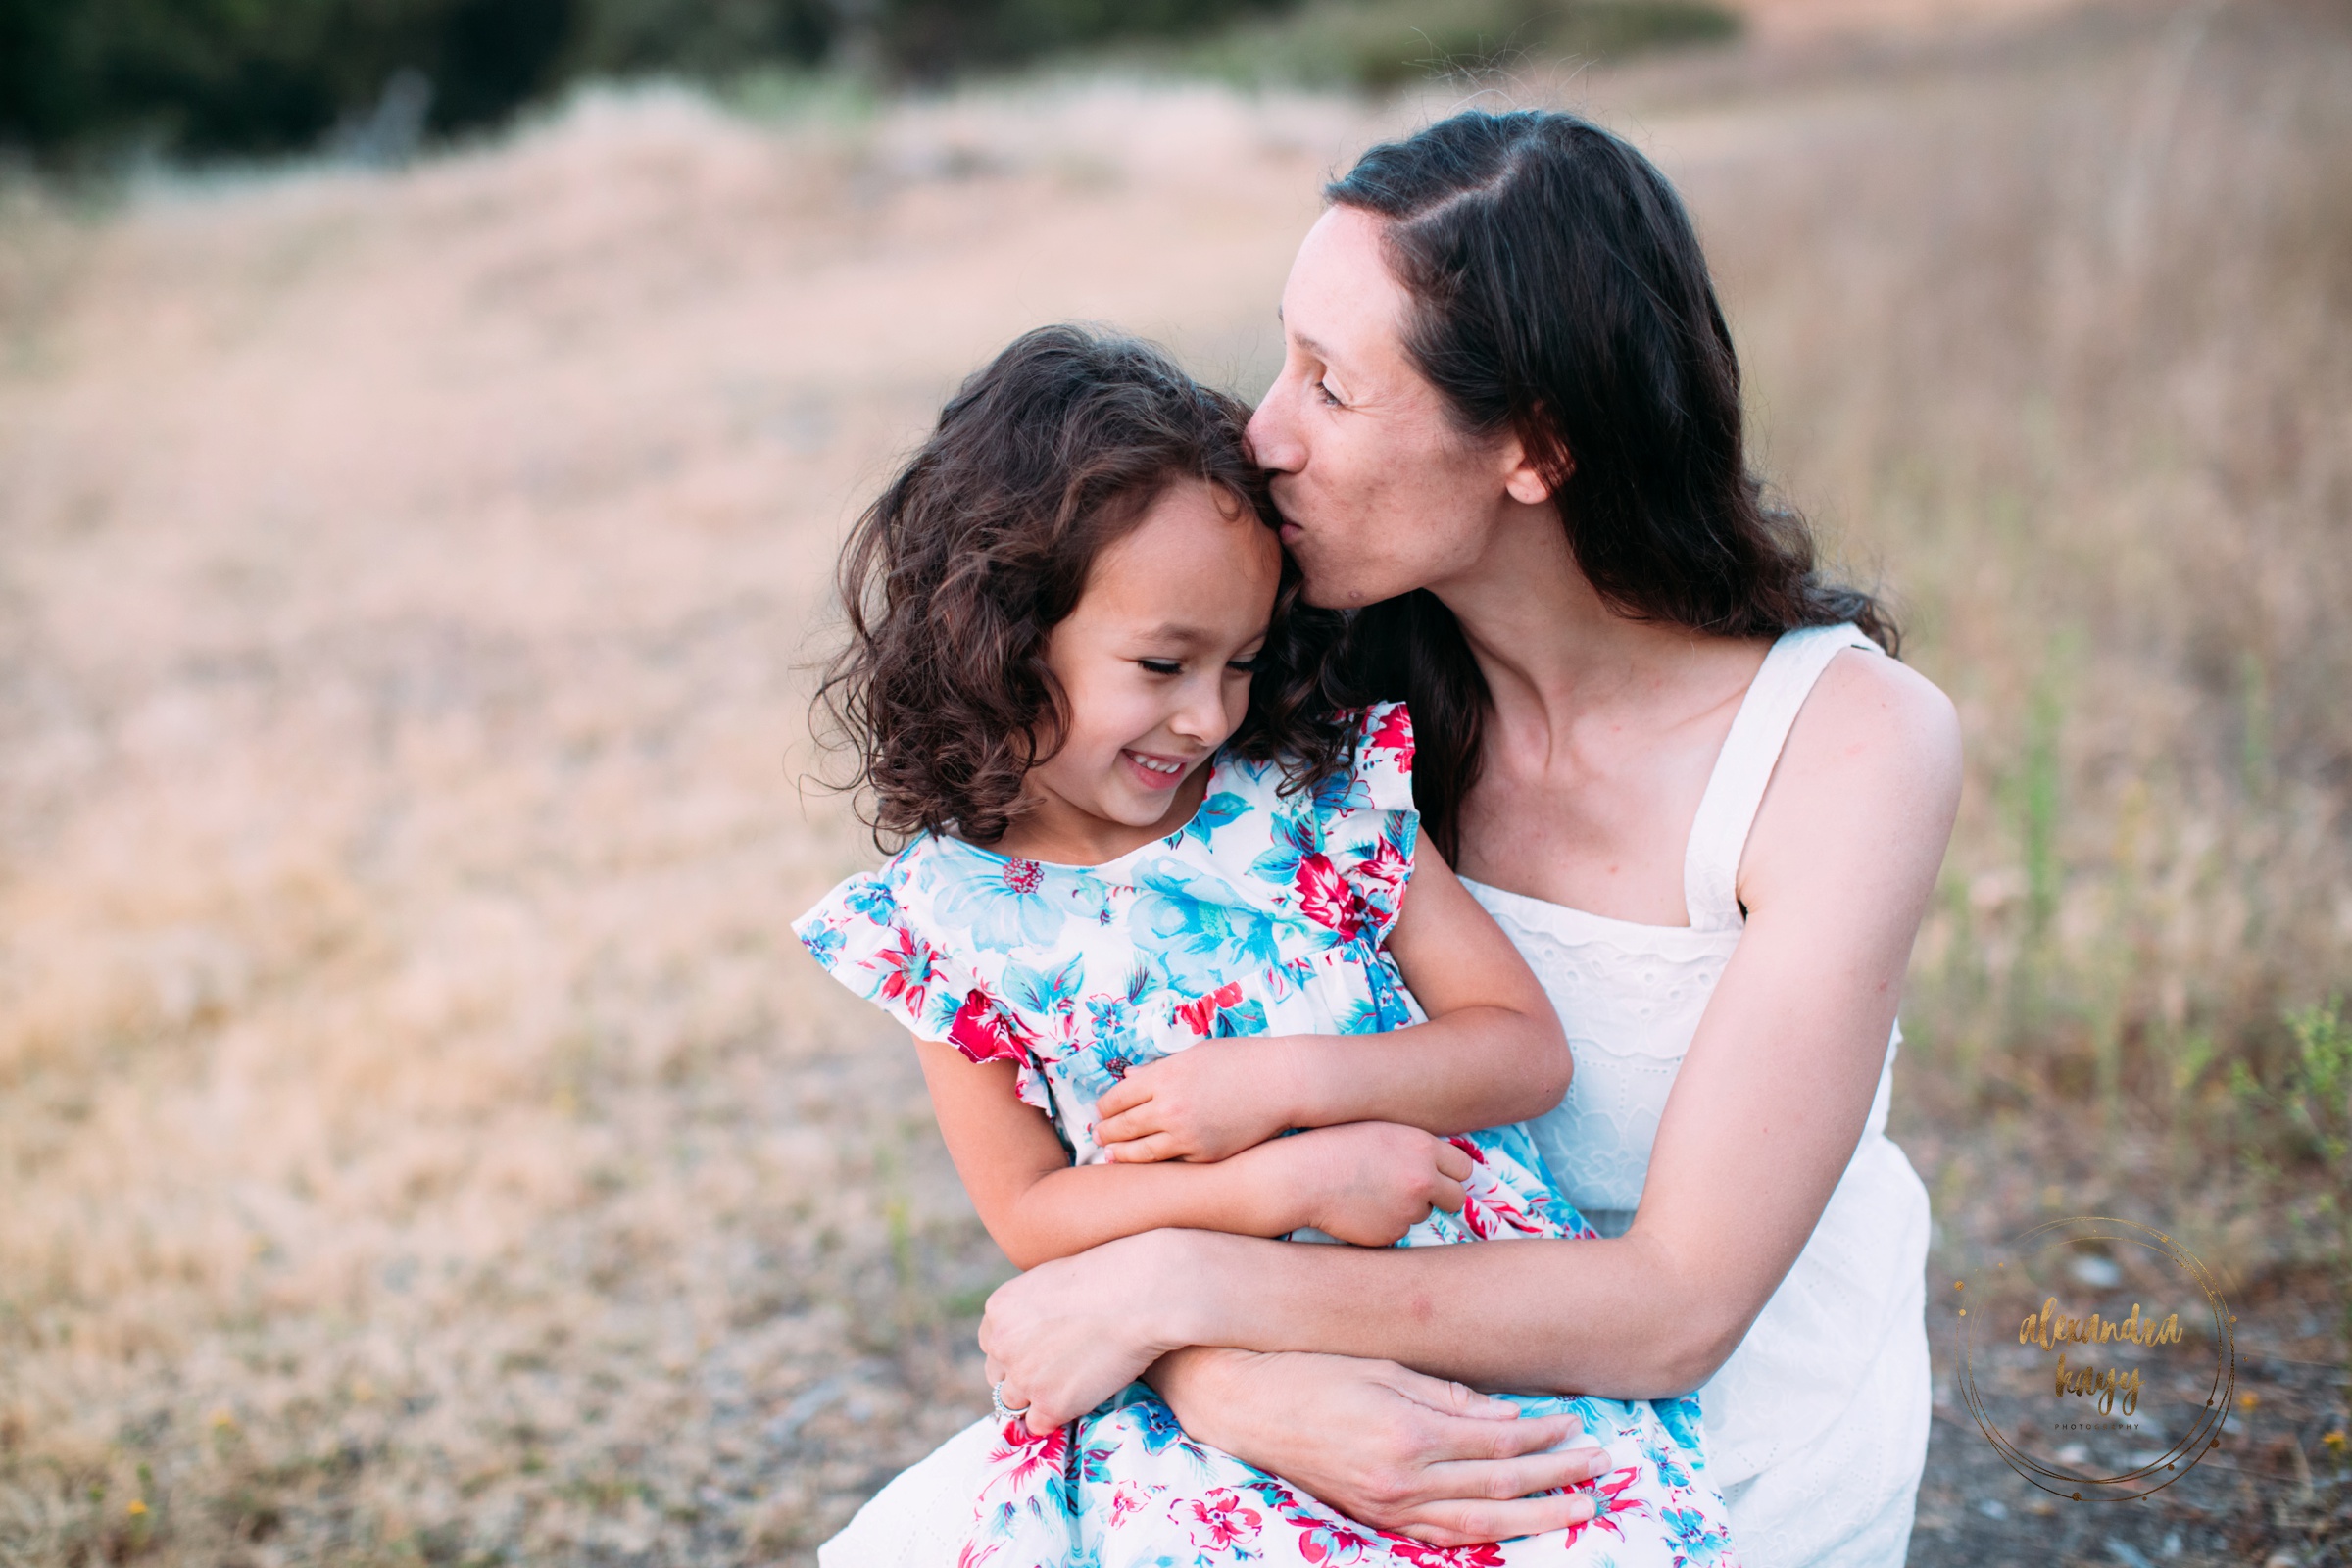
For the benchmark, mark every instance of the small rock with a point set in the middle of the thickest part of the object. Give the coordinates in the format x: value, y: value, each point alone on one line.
x: 2099, y: 1273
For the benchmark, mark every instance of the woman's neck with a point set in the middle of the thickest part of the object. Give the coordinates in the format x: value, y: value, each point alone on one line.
x: 1552, y: 649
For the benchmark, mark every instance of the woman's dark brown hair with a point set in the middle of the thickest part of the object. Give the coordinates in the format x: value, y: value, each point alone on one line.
x: 1560, y: 296
x: 955, y: 577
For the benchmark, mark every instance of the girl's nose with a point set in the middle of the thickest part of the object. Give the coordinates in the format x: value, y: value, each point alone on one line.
x: 1273, y: 433
x: 1201, y: 718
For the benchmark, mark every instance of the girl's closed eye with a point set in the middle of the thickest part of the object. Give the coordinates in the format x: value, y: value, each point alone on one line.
x: 1162, y: 667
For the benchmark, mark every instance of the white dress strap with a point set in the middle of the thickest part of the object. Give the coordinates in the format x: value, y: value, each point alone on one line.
x: 1736, y: 789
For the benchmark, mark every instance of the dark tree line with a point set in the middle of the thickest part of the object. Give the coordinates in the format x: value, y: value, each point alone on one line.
x: 242, y: 77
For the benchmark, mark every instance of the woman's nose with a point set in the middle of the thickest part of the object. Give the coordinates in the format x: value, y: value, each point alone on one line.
x: 1273, y: 435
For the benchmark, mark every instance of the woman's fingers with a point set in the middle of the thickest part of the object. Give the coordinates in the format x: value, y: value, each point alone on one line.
x: 1459, y: 1399
x: 1463, y: 1523
x: 1506, y: 1480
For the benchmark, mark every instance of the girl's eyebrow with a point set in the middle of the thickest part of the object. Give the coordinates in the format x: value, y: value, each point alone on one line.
x: 1184, y: 636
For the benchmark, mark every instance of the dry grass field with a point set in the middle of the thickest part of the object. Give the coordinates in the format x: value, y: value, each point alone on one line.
x: 421, y: 1140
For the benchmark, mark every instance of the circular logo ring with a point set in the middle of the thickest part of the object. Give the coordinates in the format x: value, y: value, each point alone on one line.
x: 2204, y: 1434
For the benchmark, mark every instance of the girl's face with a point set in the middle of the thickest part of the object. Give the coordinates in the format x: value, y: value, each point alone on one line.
x: 1378, y: 493
x: 1155, y: 664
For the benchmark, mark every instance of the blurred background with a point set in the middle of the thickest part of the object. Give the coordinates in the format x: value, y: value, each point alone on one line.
x: 426, y: 428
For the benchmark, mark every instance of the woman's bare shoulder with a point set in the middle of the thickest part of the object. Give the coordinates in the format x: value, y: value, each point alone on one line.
x: 1871, y: 707
x: 1874, y: 755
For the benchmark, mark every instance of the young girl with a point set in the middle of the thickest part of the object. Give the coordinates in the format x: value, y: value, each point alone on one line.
x: 1153, y: 916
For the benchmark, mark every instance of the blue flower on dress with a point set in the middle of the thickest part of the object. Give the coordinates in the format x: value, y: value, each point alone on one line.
x: 1006, y: 907
x: 1700, y: 1541
x: 1682, y: 1420
x: 1197, y: 929
x: 870, y: 897
x: 824, y: 943
x: 1215, y: 812
x: 1046, y: 995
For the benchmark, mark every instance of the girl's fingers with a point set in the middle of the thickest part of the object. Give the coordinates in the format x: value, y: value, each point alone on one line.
x: 1143, y: 1150
x: 1125, y: 1095
x: 1453, y: 1162
x: 1448, y: 1195
x: 1135, y: 1122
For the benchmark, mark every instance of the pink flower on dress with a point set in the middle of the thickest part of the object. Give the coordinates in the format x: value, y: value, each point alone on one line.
x: 1200, y: 1014
x: 908, y: 970
x: 1325, y: 897
x: 1030, y: 1453
x: 1129, y: 1497
x: 1490, y: 1208
x: 1608, y: 1504
x: 1329, y: 1541
x: 984, y: 1032
x: 1023, y: 876
x: 1219, y: 1521
x: 1386, y: 865
x: 1395, y: 734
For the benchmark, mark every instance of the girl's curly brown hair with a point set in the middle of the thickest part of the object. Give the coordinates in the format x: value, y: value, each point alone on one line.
x: 956, y: 577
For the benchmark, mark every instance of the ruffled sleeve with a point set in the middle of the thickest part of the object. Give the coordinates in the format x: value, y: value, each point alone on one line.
x: 867, y: 938
x: 1370, y: 825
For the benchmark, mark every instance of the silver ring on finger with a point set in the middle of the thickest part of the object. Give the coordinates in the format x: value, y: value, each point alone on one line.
x: 995, y: 1399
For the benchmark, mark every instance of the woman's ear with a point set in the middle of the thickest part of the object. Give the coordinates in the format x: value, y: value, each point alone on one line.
x: 1525, y: 481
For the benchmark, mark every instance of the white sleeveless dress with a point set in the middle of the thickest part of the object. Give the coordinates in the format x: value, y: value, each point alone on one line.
x: 1817, y: 1426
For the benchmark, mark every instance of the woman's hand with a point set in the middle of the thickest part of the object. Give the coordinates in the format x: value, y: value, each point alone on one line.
x: 1370, y: 1182
x: 1072, y: 1333
x: 1206, y: 1103
x: 1386, y: 1445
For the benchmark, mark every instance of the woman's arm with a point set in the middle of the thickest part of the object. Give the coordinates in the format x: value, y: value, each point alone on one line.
x: 1492, y: 1051
x: 1762, y: 1121
x: 1366, y: 1183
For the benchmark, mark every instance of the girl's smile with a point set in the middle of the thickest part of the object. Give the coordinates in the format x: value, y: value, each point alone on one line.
x: 1159, y: 772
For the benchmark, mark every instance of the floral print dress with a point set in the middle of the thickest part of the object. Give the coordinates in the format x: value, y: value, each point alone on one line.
x: 1264, y: 914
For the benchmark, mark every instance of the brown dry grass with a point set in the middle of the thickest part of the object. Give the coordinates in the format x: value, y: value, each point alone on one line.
x: 416, y: 1140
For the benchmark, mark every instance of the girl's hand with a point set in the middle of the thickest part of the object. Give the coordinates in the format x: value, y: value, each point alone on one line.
x: 1206, y: 1103
x: 1369, y: 1182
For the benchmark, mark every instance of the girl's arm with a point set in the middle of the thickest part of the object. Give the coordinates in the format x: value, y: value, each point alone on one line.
x: 1492, y: 1051
x: 1365, y: 1184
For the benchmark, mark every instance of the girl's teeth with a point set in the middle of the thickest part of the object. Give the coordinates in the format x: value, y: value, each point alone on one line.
x: 1159, y: 767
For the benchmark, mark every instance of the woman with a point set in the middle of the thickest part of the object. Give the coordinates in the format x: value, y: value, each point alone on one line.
x: 1666, y: 755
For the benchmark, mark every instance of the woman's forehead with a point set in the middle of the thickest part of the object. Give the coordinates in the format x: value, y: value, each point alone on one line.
x: 1342, y: 299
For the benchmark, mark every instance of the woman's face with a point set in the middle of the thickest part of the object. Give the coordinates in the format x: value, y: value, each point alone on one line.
x: 1378, y: 491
